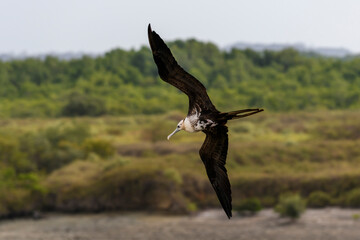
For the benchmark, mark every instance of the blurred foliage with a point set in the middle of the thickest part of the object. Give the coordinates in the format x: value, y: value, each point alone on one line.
x: 173, y: 175
x: 101, y: 147
x: 126, y: 82
x: 55, y: 146
x: 20, y: 193
x: 252, y: 205
x: 319, y: 199
x: 124, y: 163
x: 353, y: 198
x: 83, y: 105
x: 290, y: 205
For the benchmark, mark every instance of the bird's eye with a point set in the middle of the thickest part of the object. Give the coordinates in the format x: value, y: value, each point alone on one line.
x: 178, y: 126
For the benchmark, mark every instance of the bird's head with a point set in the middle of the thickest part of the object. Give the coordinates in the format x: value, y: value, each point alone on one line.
x: 178, y: 128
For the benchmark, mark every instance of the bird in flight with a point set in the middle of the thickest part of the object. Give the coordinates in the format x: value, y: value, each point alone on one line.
x: 202, y: 116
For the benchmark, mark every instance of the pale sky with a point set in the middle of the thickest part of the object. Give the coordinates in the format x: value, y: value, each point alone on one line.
x: 96, y: 26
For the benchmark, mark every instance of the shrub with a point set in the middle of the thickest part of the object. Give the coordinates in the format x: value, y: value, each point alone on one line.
x: 76, y: 132
x: 94, y: 186
x: 83, y: 105
x: 192, y: 207
x: 318, y: 199
x: 10, y: 154
x: 54, y: 146
x: 252, y: 205
x: 174, y: 175
x: 100, y: 147
x: 20, y: 194
x: 155, y: 132
x: 352, y: 198
x: 291, y: 206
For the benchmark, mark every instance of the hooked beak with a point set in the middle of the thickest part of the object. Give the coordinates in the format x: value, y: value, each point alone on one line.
x: 176, y: 130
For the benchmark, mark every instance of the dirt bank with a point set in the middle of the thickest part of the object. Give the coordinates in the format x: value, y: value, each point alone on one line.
x: 327, y: 224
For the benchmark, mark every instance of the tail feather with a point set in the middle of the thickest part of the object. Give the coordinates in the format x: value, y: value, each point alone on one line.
x: 241, y: 113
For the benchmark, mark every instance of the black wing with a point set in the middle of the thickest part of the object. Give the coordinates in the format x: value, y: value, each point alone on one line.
x: 170, y: 71
x: 213, y: 153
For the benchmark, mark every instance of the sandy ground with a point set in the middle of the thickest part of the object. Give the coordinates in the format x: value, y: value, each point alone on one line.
x: 327, y: 224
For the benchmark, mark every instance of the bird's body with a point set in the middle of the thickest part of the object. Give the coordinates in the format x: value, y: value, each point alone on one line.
x: 197, y: 122
x: 191, y: 123
x: 202, y: 116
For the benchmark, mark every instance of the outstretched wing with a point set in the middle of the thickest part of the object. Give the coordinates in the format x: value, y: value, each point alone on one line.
x: 213, y: 153
x: 170, y: 71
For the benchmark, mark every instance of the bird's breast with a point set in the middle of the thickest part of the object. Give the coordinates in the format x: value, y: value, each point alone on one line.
x: 189, y: 124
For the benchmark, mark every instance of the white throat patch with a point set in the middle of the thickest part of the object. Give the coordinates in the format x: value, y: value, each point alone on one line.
x: 187, y: 125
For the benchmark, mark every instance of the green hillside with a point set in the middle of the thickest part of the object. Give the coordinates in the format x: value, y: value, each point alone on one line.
x: 126, y: 82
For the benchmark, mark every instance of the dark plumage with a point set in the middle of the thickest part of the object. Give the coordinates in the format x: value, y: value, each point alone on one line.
x: 213, y: 153
x: 171, y: 72
x: 202, y: 116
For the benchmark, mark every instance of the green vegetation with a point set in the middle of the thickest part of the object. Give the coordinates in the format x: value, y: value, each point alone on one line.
x: 84, y: 134
x: 95, y: 164
x: 251, y: 205
x: 353, y: 198
x: 319, y: 199
x: 126, y: 82
x: 291, y: 206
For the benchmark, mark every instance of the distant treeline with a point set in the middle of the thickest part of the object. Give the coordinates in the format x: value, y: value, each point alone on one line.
x: 126, y: 82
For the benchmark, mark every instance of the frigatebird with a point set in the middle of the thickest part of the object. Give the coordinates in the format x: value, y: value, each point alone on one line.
x: 202, y: 116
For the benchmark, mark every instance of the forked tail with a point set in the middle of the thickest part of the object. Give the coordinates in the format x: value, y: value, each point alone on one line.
x: 241, y: 113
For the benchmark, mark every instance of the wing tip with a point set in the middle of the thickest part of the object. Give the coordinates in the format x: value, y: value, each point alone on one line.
x: 150, y: 37
x: 227, y: 208
x: 228, y: 214
x: 224, y: 199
